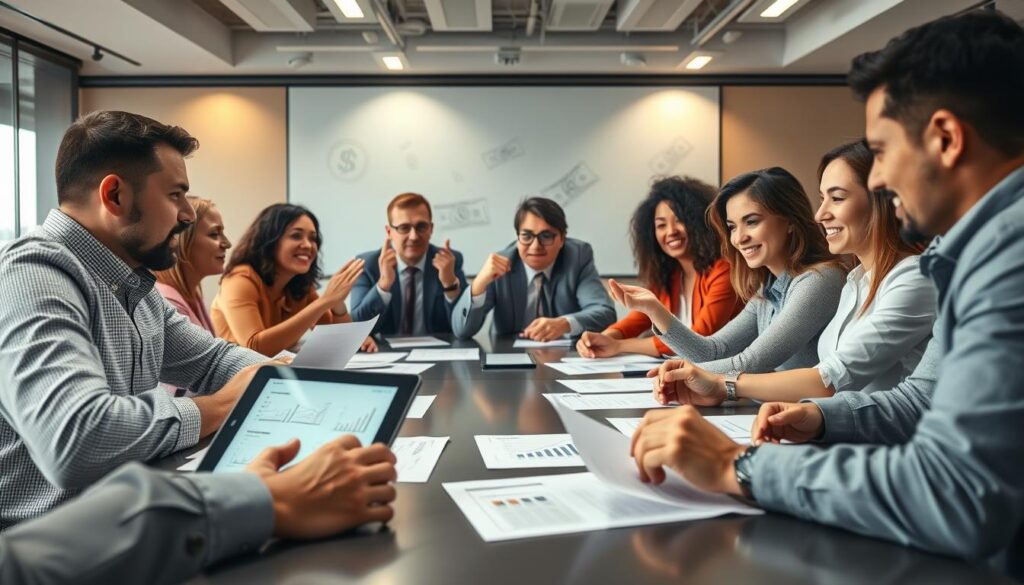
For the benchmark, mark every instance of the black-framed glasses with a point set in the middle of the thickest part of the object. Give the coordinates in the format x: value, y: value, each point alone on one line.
x: 422, y: 228
x: 545, y: 238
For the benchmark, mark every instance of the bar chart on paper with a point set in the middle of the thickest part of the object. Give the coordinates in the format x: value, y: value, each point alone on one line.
x: 525, y: 451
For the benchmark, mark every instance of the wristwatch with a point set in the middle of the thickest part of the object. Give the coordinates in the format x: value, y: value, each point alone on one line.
x: 730, y: 385
x: 744, y: 467
x: 451, y: 288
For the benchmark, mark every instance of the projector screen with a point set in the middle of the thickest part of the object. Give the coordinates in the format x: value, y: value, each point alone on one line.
x: 476, y: 152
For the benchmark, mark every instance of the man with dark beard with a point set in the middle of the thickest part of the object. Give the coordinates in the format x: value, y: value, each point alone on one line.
x: 935, y: 466
x: 84, y: 337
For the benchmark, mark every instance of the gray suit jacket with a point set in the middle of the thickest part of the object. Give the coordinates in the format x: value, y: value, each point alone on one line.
x: 140, y: 526
x: 575, y: 291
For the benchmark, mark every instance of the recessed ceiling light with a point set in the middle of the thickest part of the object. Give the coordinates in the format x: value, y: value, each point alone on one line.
x: 777, y: 8
x: 350, y: 8
x: 698, y: 62
x: 393, y: 63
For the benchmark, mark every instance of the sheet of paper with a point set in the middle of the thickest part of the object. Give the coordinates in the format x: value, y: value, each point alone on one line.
x: 605, y: 386
x: 736, y: 426
x: 629, y: 358
x: 524, y: 507
x: 606, y: 453
x: 444, y: 355
x: 194, y: 460
x: 605, y: 401
x: 332, y: 346
x: 403, y: 368
x: 582, y: 369
x: 417, y: 457
x: 423, y: 341
x: 526, y: 451
x: 284, y: 354
x: 368, y: 360
x: 529, y: 343
x: 419, y: 406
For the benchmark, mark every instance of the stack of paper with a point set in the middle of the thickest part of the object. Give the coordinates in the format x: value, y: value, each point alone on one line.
x: 529, y: 343
x: 425, y: 341
x: 611, y: 495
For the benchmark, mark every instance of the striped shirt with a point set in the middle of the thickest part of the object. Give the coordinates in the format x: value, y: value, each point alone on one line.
x: 84, y: 342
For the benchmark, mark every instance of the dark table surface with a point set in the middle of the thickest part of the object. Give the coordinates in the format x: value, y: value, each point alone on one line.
x: 430, y: 541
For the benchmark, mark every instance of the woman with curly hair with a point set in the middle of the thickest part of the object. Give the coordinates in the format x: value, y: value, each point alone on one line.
x: 679, y: 259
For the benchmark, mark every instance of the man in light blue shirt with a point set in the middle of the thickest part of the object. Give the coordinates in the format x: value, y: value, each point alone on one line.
x: 936, y: 465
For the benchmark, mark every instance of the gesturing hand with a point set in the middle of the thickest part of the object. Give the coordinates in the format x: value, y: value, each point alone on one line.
x: 387, y: 263
x: 597, y: 345
x: 635, y: 298
x: 681, y: 381
x: 444, y: 262
x: 339, y: 486
x: 787, y: 421
x: 494, y: 268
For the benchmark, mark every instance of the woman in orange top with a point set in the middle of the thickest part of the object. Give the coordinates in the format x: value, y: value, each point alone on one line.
x: 268, y: 297
x: 680, y: 261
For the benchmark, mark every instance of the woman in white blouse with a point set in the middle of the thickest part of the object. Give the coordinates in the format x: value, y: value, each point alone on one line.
x: 885, y: 313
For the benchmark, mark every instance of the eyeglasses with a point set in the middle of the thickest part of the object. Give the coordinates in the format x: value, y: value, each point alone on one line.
x: 422, y: 228
x: 545, y: 238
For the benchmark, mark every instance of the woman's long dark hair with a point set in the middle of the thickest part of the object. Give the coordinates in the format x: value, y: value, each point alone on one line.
x: 258, y: 247
x: 689, y: 199
x: 779, y: 193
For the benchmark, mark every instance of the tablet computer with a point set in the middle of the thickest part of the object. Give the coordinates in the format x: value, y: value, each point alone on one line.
x: 503, y: 361
x: 312, y: 405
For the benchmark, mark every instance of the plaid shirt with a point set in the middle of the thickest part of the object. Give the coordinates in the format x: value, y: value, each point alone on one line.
x: 84, y: 342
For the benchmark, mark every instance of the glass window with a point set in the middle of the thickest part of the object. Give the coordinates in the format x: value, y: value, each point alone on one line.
x: 44, y: 113
x: 7, y: 191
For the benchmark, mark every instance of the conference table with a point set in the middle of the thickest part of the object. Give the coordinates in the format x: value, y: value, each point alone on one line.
x: 429, y: 541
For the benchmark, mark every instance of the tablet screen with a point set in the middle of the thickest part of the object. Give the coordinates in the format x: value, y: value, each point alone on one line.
x: 315, y: 412
x: 508, y: 359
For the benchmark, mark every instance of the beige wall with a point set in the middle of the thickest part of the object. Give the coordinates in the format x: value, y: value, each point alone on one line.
x: 790, y: 127
x: 241, y: 161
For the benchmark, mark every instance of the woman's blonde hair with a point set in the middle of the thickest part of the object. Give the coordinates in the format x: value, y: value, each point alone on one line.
x: 175, y: 275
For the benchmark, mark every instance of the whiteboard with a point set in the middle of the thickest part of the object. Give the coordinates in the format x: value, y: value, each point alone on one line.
x: 476, y: 152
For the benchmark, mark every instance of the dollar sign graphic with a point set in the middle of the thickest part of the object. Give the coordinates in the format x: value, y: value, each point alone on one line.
x: 346, y: 162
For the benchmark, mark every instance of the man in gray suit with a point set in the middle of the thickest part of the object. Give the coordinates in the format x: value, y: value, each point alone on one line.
x: 543, y: 287
x: 143, y: 526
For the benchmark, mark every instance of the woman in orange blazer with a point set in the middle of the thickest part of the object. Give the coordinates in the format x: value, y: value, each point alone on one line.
x: 268, y: 297
x: 680, y: 261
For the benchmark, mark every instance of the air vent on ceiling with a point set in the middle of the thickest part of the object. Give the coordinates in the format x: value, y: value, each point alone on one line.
x: 577, y: 14
x: 459, y: 15
x: 653, y: 15
x: 275, y: 15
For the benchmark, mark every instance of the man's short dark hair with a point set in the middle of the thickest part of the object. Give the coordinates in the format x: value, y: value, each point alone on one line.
x: 545, y: 209
x: 121, y: 143
x: 971, y: 64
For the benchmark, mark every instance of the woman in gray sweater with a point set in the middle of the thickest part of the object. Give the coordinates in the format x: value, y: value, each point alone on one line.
x: 781, y: 266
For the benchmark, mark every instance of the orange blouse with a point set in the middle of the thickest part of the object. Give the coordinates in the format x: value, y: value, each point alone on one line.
x: 714, y: 304
x: 244, y: 312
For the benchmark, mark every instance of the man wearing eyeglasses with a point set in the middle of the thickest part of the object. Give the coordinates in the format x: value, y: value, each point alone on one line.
x: 411, y: 284
x: 542, y: 287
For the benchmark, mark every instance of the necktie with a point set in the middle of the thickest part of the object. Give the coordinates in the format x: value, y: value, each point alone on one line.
x: 409, y: 300
x: 540, y: 306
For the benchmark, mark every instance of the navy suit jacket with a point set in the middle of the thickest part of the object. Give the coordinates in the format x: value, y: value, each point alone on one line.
x: 367, y: 302
x: 575, y: 290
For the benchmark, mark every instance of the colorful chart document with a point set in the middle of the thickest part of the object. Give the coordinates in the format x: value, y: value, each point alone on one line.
x: 423, y: 341
x: 608, y: 386
x: 737, y: 426
x: 605, y: 401
x: 526, y: 451
x: 417, y: 457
